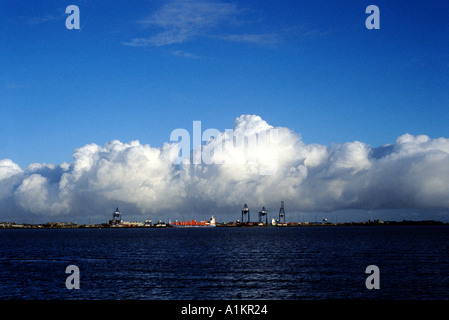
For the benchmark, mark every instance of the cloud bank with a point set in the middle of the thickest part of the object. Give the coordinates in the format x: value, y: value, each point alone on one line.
x: 411, y: 173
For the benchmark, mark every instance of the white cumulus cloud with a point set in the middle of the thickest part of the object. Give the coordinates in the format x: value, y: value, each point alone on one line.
x: 413, y: 172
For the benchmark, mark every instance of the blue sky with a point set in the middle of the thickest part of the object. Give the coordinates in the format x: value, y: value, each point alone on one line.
x: 128, y: 74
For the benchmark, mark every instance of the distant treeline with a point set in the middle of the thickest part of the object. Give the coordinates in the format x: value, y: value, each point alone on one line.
x: 395, y: 223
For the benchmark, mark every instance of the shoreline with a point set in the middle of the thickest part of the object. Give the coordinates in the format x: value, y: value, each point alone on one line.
x: 69, y: 225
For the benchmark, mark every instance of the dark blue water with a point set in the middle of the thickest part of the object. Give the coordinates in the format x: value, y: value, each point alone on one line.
x: 226, y: 263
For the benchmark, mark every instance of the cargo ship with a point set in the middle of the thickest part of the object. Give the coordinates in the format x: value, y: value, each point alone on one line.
x: 194, y: 224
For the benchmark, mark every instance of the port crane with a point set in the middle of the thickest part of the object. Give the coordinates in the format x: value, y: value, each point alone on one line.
x: 245, y: 211
x: 262, y: 214
x: 116, y: 217
x: 282, y: 213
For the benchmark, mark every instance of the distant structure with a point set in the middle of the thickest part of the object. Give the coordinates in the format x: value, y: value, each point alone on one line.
x: 118, y: 222
x: 116, y: 218
x: 245, y: 211
x: 282, y: 214
x: 262, y: 214
x: 194, y: 223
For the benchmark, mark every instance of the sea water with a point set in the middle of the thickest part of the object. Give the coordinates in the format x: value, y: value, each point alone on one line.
x: 279, y: 263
